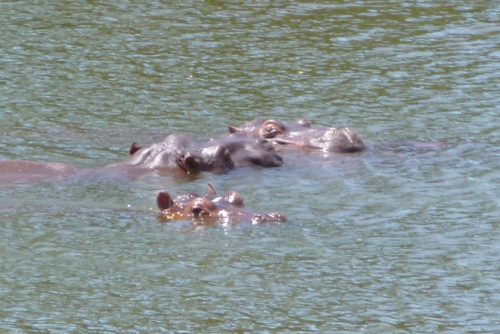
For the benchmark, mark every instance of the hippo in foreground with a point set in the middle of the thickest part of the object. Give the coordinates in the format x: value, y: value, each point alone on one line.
x: 210, y: 209
x: 300, y: 135
x: 175, y: 155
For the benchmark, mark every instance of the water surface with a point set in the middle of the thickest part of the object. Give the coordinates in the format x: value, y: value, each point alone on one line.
x: 395, y: 240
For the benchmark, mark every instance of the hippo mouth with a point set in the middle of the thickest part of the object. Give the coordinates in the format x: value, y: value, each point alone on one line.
x: 338, y: 140
x: 297, y: 143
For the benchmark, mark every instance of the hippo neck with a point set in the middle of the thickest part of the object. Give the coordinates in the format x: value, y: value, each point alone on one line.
x: 156, y: 156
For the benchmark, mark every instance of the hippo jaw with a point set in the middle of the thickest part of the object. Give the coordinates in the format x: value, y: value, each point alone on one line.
x: 258, y: 158
x: 252, y: 151
x: 336, y: 140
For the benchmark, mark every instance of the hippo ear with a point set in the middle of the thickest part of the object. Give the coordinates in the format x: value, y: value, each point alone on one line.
x: 211, y: 190
x: 235, y: 199
x: 188, y: 164
x: 233, y: 129
x: 164, y: 201
x: 134, y: 148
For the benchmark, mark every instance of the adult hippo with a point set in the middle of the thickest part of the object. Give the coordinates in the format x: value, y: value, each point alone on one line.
x: 301, y: 135
x: 218, y: 154
x: 175, y: 155
x: 171, y: 156
x: 227, y: 209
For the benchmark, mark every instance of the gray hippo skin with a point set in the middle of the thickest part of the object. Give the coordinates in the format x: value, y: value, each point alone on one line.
x: 249, y: 151
x: 175, y: 155
x: 216, y: 155
x: 171, y: 156
x: 300, y: 135
x: 210, y: 209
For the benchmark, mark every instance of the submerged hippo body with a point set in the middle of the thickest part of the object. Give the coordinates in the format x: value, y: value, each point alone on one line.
x: 175, y: 155
x: 227, y: 209
x: 168, y: 157
x: 300, y: 135
x: 25, y: 171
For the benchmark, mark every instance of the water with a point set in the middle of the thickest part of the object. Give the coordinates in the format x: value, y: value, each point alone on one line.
x: 396, y: 240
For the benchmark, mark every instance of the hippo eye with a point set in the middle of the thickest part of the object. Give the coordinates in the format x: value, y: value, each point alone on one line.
x: 201, y: 207
x: 272, y: 128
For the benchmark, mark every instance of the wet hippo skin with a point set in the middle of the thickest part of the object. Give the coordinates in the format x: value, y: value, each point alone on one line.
x: 300, y: 135
x: 175, y: 155
x: 214, y: 154
x: 211, y: 208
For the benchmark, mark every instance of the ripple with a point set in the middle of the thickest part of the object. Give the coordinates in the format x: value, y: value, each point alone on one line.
x: 399, y: 238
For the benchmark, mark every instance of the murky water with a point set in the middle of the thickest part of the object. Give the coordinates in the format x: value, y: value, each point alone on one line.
x: 395, y: 240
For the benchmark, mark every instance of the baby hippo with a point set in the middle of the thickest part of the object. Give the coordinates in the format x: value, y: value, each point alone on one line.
x: 300, y: 135
x: 227, y: 209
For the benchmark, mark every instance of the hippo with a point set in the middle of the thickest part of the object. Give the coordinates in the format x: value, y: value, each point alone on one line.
x: 300, y: 135
x: 214, y: 155
x: 25, y: 171
x: 175, y: 155
x: 171, y: 156
x: 210, y: 209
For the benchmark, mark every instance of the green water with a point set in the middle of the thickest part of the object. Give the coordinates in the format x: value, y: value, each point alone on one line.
x: 396, y: 240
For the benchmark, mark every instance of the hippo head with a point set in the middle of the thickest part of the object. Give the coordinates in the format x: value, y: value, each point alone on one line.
x: 216, y: 155
x: 177, y: 152
x: 211, y: 208
x: 300, y: 135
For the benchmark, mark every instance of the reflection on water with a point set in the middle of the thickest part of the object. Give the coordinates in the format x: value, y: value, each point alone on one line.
x: 396, y: 239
